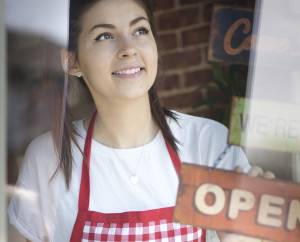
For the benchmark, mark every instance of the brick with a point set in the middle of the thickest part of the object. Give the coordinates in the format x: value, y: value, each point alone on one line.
x: 177, y: 19
x: 167, y: 41
x: 182, y: 59
x: 200, y: 113
x: 198, y: 77
x: 205, y: 53
x: 215, y: 113
x: 195, y: 36
x: 168, y: 83
x: 207, y: 13
x: 164, y: 5
x: 219, y: 95
x: 183, y: 100
x: 250, y: 4
x: 188, y: 2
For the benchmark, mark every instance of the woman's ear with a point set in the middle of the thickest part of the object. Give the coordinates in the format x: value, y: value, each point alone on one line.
x: 69, y: 63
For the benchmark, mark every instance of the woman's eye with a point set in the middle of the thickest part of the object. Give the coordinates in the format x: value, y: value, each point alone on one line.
x: 104, y: 36
x: 141, y: 31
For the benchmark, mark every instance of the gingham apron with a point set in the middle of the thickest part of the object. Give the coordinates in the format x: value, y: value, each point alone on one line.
x: 149, y: 225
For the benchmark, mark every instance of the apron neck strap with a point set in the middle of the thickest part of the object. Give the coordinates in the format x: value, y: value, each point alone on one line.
x: 174, y: 157
x: 84, y: 192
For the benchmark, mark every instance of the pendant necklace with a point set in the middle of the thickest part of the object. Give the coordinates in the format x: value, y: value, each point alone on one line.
x: 133, y: 175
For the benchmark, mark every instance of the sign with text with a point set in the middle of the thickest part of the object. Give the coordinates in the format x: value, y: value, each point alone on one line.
x: 231, y: 35
x: 228, y: 201
x: 265, y: 124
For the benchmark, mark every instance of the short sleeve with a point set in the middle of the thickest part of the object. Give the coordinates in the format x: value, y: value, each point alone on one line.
x: 206, y: 143
x: 218, y: 153
x: 24, y: 210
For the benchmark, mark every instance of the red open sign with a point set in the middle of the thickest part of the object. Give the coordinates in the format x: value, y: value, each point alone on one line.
x: 227, y: 201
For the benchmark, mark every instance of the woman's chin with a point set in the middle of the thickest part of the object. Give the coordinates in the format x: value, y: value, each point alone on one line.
x: 133, y: 94
x: 133, y: 90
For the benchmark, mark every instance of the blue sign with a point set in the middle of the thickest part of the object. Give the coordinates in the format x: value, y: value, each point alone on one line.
x: 231, y: 35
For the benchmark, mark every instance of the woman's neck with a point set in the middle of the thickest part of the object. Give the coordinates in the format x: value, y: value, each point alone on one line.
x: 125, y: 125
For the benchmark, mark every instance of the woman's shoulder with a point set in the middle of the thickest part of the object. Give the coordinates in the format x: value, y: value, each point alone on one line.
x: 40, y: 158
x: 195, y: 125
x: 205, y: 142
x: 198, y: 134
x: 45, y: 143
x: 40, y: 148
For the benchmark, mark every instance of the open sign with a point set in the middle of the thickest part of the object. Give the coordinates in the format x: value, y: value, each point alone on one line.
x: 222, y: 200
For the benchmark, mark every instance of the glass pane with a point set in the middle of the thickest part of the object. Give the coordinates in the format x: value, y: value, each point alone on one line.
x: 2, y: 125
x: 36, y: 31
x: 228, y: 73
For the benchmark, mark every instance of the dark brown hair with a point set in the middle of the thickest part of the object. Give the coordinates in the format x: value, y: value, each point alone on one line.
x: 65, y: 132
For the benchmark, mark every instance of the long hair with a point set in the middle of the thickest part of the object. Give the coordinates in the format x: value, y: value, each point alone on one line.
x: 65, y: 132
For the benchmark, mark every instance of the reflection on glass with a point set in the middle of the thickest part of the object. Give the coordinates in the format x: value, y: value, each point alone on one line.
x: 272, y: 124
x: 36, y: 31
x: 109, y: 168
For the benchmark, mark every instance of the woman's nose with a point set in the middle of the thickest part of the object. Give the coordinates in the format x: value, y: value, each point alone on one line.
x: 127, y: 50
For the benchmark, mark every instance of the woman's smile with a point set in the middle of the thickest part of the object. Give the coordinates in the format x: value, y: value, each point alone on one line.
x: 128, y: 73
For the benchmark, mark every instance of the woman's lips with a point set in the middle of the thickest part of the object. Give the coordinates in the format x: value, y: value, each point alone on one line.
x: 129, y: 72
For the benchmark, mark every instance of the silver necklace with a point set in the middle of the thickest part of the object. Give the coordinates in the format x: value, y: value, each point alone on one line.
x: 133, y: 175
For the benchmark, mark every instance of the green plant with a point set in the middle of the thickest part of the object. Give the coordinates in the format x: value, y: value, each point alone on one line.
x: 228, y: 81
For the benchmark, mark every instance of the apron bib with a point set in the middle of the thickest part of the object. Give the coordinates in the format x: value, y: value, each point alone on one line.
x: 150, y: 225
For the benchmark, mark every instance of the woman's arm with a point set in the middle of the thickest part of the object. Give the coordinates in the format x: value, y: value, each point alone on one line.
x: 28, y: 240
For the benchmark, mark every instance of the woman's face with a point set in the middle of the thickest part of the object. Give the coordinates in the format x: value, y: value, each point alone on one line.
x: 117, y: 52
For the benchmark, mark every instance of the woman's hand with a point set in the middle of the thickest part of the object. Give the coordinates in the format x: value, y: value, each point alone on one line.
x: 229, y: 237
x: 255, y: 171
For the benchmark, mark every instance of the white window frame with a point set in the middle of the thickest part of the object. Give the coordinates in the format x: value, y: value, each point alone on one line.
x: 3, y: 93
x: 296, y: 168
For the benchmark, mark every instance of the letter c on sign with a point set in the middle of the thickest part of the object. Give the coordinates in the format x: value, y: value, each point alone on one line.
x: 219, y: 201
x: 245, y: 45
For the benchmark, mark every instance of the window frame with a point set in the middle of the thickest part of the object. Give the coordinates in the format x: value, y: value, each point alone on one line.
x: 3, y: 101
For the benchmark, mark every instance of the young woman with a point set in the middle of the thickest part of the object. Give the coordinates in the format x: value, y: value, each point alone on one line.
x: 116, y: 177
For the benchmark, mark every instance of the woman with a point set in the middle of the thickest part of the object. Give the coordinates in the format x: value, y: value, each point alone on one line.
x: 124, y: 186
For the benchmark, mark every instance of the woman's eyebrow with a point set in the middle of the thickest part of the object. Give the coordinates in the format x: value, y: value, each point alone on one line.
x: 111, y: 26
x: 136, y: 20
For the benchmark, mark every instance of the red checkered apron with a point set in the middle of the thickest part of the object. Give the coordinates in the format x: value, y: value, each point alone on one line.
x: 149, y: 225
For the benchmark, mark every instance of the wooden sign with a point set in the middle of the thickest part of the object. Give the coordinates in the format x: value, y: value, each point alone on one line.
x: 231, y: 35
x: 228, y: 201
x: 265, y: 124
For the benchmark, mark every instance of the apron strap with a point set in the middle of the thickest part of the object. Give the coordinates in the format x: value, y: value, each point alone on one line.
x: 84, y: 193
x: 174, y: 157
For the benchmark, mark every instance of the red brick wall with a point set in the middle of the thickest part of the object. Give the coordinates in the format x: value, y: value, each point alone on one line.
x: 183, y: 28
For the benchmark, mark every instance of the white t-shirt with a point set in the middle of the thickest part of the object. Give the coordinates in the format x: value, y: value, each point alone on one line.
x: 49, y: 208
